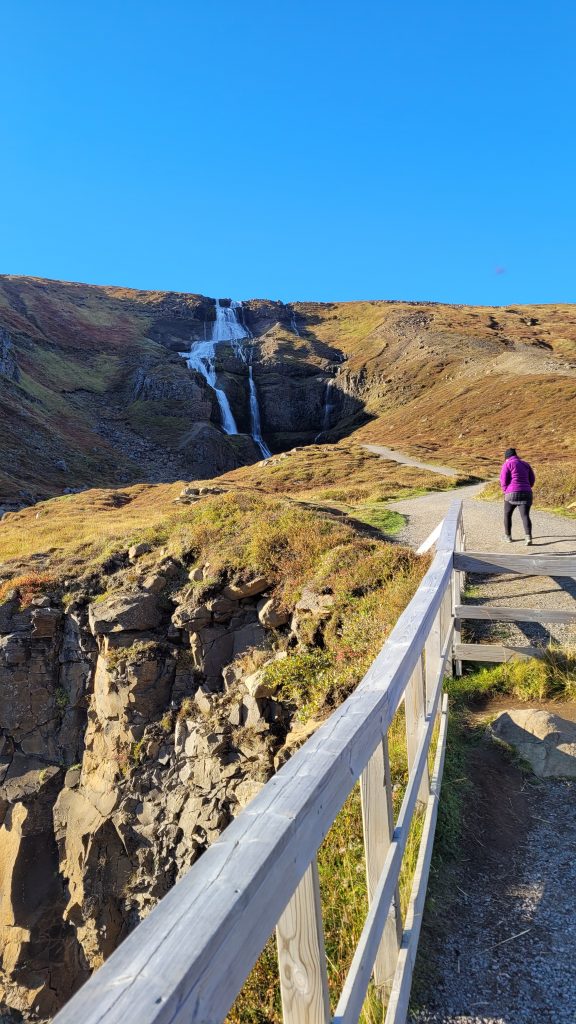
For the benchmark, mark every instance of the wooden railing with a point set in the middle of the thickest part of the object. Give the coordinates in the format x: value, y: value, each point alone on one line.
x: 189, y: 959
x: 480, y: 562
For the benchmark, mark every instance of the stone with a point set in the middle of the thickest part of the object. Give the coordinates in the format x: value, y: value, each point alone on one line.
x: 196, y: 575
x: 45, y: 622
x: 72, y: 777
x: 246, y: 791
x: 202, y: 701
x: 255, y: 685
x: 546, y: 741
x: 137, y: 550
x: 240, y: 589
x: 191, y: 616
x: 154, y: 583
x: 221, y: 608
x: 124, y: 612
x: 252, y: 713
x: 61, y: 465
x: 271, y: 613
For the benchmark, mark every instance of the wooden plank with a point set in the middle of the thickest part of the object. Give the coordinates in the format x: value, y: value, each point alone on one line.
x: 496, y: 653
x: 414, y: 715
x: 167, y: 972
x: 493, y: 613
x: 457, y: 581
x: 432, y: 659
x: 430, y: 539
x: 446, y: 620
x: 525, y: 565
x: 302, y: 957
x: 397, y: 1009
x: 378, y: 824
x: 358, y: 977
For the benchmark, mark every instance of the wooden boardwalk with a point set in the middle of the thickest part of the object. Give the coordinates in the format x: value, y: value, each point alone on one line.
x: 189, y: 959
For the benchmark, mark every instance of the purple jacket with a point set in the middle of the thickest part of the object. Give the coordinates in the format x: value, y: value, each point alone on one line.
x: 516, y: 475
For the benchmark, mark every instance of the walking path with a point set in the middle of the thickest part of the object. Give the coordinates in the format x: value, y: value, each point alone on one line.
x: 497, y: 948
x: 407, y: 460
x: 483, y: 528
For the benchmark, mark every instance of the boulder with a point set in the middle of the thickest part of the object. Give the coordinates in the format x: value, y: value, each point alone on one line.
x: 247, y: 588
x: 546, y: 741
x: 137, y: 550
x: 271, y: 613
x: 255, y: 685
x: 124, y: 613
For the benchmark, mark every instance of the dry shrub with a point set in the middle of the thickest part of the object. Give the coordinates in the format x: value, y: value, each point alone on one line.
x: 29, y: 586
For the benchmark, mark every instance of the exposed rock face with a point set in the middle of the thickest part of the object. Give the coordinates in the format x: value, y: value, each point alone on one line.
x: 8, y: 364
x: 133, y: 729
x: 546, y: 741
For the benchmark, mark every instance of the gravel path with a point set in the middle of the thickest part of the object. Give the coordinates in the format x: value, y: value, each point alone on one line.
x: 406, y: 460
x: 483, y: 528
x: 507, y: 954
x: 498, y: 939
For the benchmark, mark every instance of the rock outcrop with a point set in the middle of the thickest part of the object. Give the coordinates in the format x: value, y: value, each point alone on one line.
x: 546, y: 741
x: 134, y: 727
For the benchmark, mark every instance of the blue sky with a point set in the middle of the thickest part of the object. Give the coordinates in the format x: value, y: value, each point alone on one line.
x: 307, y: 150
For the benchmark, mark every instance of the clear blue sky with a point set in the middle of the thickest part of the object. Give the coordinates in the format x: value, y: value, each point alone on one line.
x: 292, y: 150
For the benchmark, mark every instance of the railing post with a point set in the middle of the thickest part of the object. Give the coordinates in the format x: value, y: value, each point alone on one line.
x: 414, y: 713
x: 433, y: 658
x: 378, y: 821
x: 457, y: 578
x: 301, y: 955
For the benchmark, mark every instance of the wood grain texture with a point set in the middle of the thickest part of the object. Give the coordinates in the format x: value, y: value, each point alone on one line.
x: 190, y: 957
x: 358, y: 978
x: 496, y: 653
x: 494, y: 613
x: 397, y: 1009
x: 378, y: 825
x: 414, y: 716
x: 524, y: 565
x: 302, y: 957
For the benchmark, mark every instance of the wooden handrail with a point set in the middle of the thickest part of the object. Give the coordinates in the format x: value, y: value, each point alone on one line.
x: 189, y: 958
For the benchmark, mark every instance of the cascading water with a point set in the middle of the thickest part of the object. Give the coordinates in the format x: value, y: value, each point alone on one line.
x: 293, y: 324
x: 327, y: 410
x: 202, y: 358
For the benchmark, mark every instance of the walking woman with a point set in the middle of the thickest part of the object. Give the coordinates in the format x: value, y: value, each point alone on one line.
x: 517, y: 480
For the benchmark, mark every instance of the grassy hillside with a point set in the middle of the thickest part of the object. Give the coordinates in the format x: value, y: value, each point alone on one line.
x: 449, y: 383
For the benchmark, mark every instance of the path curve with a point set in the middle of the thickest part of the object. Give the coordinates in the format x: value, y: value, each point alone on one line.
x: 407, y: 460
x: 505, y: 953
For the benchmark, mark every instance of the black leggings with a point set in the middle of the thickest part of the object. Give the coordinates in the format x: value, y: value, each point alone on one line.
x: 524, y: 508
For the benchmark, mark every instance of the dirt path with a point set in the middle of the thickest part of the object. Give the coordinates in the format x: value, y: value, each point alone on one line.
x: 499, y: 946
x: 552, y: 534
x: 407, y: 460
x: 500, y: 928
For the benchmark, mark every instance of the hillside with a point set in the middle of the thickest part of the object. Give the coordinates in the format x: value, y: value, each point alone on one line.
x: 93, y: 391
x: 171, y: 633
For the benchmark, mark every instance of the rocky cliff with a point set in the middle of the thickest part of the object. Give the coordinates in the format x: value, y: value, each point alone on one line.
x: 147, y: 696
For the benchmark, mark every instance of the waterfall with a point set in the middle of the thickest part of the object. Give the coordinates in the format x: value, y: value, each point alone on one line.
x: 202, y: 358
x: 328, y: 409
x: 256, y: 428
x: 293, y: 324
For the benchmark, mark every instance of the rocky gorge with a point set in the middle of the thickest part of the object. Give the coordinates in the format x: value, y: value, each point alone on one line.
x: 144, y: 704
